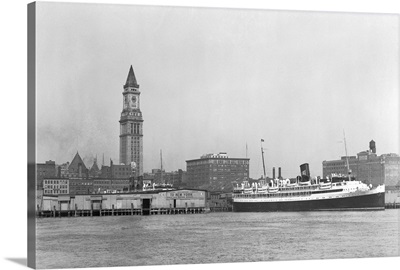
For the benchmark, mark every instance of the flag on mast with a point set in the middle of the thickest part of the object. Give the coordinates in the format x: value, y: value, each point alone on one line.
x: 262, y: 140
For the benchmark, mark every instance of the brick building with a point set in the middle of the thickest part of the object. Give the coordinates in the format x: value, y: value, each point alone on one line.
x: 62, y: 169
x: 75, y: 169
x: 81, y: 186
x: 368, y: 167
x: 340, y: 166
x: 216, y: 170
x: 121, y: 171
x: 94, y: 171
x: 111, y: 185
x: 90, y: 185
x: 105, y: 171
x: 219, y: 201
x: 175, y: 178
x: 112, y: 171
x: 45, y: 170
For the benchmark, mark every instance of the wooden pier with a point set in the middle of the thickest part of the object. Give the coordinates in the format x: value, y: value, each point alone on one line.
x: 221, y: 209
x: 119, y: 212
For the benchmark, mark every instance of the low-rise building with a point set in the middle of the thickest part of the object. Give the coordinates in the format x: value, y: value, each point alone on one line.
x: 55, y: 186
x: 121, y: 171
x: 220, y: 201
x: 81, y: 186
x: 101, y: 185
x: 120, y: 185
x: 109, y: 185
x: 175, y: 178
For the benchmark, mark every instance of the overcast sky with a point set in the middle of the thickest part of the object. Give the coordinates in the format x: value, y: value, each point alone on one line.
x: 214, y: 80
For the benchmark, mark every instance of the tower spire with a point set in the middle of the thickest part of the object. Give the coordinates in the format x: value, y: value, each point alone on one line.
x: 131, y: 79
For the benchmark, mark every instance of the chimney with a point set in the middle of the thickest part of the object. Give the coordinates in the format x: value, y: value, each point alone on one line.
x: 279, y: 173
x: 59, y: 172
x: 273, y: 172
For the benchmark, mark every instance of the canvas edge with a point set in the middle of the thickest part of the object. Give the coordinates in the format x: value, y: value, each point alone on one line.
x: 31, y: 177
x: 31, y: 123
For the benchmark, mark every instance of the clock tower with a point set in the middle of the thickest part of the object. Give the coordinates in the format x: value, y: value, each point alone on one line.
x: 131, y: 126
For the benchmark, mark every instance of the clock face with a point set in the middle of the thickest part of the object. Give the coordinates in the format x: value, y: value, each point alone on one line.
x: 131, y: 102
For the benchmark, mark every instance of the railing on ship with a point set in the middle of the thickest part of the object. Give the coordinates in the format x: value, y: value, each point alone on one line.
x: 273, y: 195
x: 311, y: 187
x: 281, y: 189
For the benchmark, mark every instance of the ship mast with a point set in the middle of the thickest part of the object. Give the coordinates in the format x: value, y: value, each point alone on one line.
x: 162, y: 182
x: 347, y: 157
x: 262, y: 155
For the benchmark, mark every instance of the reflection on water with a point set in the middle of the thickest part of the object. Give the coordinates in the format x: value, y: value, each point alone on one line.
x: 215, y: 238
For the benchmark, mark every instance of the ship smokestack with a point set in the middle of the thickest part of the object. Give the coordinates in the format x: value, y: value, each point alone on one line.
x: 305, y: 172
x: 372, y: 146
x: 279, y: 173
x: 273, y: 172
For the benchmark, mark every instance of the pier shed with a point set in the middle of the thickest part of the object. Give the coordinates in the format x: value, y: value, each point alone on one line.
x: 175, y: 201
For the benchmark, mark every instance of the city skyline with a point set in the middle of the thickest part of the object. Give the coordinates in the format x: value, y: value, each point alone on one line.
x: 223, y: 79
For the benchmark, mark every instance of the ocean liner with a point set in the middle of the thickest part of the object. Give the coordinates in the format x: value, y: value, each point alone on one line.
x: 336, y: 192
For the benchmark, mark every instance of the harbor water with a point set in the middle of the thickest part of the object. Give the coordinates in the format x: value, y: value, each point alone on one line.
x: 215, y: 238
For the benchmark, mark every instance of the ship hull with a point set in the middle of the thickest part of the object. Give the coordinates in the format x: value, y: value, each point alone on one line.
x: 375, y: 201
